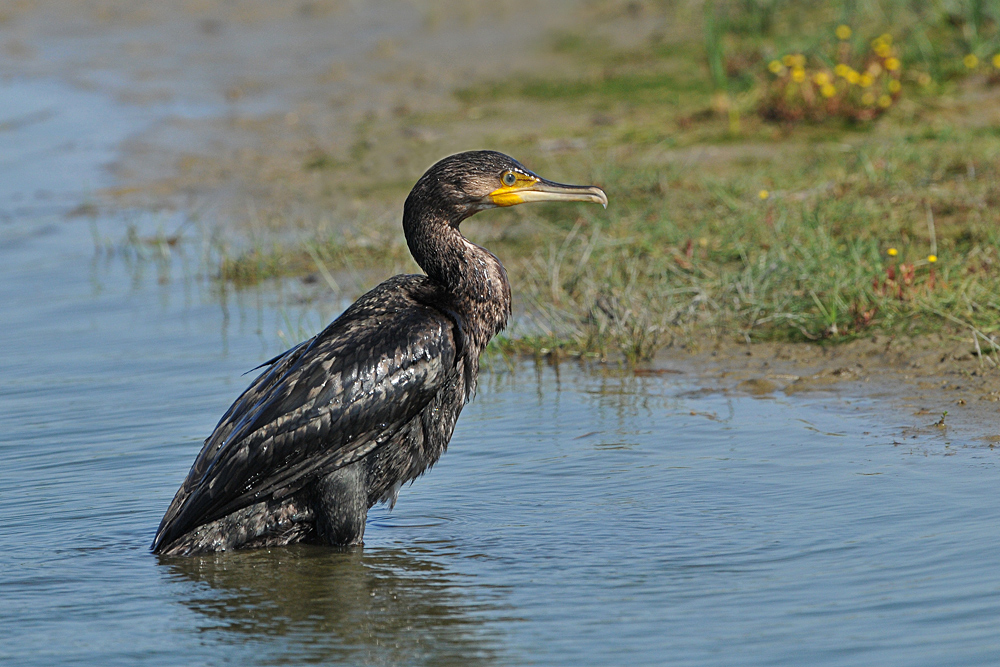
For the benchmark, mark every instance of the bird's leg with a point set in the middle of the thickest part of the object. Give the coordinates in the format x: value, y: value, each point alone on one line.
x: 341, y: 506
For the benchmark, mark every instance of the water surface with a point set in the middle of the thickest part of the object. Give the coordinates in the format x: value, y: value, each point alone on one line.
x: 580, y: 516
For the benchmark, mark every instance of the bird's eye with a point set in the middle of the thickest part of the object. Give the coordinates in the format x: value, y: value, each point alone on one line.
x: 509, y: 178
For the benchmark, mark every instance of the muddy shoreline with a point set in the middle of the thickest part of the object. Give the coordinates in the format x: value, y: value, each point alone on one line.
x: 242, y: 97
x: 917, y: 379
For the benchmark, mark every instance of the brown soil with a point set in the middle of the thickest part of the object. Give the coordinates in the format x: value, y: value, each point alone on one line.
x: 270, y: 111
x: 917, y: 379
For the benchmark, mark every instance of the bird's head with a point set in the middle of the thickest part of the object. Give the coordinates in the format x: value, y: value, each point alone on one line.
x: 466, y: 183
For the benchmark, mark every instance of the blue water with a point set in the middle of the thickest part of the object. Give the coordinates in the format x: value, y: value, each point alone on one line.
x: 581, y: 516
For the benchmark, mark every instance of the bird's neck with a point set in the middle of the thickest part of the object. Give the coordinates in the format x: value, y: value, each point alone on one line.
x: 474, y: 279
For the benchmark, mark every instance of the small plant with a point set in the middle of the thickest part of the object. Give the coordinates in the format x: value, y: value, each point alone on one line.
x: 856, y: 89
x: 902, y: 281
x: 994, y: 76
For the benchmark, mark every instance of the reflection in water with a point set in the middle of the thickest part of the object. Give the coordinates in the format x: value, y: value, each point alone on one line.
x: 386, y: 606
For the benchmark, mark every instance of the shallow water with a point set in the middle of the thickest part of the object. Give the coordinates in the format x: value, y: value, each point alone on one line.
x: 579, y: 517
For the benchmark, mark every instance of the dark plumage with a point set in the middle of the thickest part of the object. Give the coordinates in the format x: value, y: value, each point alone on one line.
x: 340, y: 421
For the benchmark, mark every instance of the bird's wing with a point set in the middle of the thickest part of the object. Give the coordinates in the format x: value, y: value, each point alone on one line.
x: 322, y: 405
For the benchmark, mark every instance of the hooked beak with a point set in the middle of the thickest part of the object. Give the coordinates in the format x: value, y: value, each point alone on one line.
x: 533, y: 189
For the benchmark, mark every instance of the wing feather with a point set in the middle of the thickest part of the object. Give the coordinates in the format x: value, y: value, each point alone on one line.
x: 324, y: 404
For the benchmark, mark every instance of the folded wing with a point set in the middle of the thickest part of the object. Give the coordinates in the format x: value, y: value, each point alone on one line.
x: 320, y: 406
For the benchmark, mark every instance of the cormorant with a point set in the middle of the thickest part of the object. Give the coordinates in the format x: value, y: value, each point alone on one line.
x: 339, y: 422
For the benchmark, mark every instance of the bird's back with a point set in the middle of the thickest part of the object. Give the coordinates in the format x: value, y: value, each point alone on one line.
x: 357, y: 386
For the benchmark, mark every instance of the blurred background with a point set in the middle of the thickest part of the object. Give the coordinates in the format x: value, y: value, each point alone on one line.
x: 778, y: 170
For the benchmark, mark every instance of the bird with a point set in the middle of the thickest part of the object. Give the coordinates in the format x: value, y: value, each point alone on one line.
x: 341, y: 421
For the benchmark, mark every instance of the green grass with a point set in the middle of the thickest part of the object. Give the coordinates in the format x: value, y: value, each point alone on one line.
x: 688, y: 251
x: 694, y: 253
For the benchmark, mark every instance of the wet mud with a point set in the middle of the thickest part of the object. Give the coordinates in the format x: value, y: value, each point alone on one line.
x: 929, y: 382
x: 257, y: 104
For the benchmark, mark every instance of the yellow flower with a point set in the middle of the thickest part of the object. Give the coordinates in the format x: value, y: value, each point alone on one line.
x: 892, y: 252
x: 895, y: 86
x: 931, y: 258
x: 883, y: 50
x: 868, y: 99
x: 788, y: 60
x: 776, y: 67
x: 885, y: 101
x: 996, y: 61
x: 886, y: 38
x: 970, y: 61
x: 865, y: 80
x: 843, y: 31
x: 799, y: 60
x: 821, y: 78
x: 763, y: 194
x: 892, y: 64
x: 841, y: 70
x: 828, y: 90
x: 798, y: 74
x: 853, y: 77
